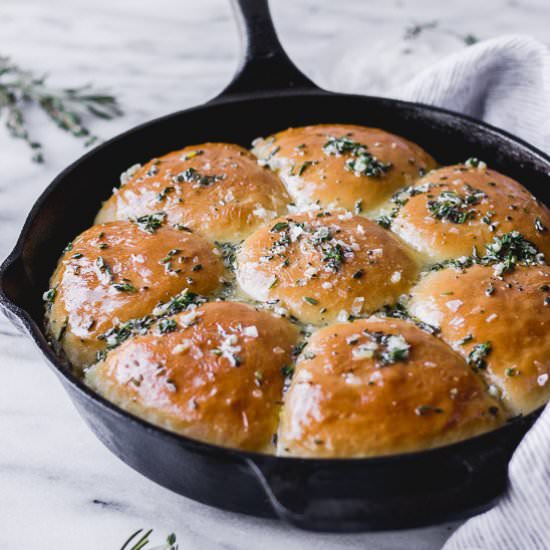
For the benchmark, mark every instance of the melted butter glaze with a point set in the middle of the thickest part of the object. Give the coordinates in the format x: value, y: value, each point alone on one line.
x: 318, y: 265
x: 88, y: 300
x: 514, y: 316
x: 315, y: 177
x: 505, y: 206
x: 216, y: 378
x: 216, y: 189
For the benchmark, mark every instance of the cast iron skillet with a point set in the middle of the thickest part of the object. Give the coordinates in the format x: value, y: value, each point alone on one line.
x: 269, y: 93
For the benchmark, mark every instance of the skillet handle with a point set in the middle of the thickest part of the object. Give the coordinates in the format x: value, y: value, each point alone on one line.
x: 264, y: 66
x: 367, y: 495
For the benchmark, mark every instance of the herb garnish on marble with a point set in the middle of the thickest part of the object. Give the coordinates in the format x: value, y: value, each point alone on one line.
x: 20, y: 88
x: 138, y: 542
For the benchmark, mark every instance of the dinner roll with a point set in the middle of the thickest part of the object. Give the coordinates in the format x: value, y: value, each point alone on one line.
x: 381, y: 386
x: 216, y: 377
x: 321, y: 266
x: 217, y: 189
x: 117, y: 271
x: 499, y: 324
x: 454, y: 209
x: 342, y: 165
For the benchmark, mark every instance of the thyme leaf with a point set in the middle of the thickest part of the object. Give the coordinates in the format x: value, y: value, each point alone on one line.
x: 65, y: 107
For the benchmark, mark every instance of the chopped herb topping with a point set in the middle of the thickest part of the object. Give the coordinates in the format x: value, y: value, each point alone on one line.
x: 298, y: 348
x: 190, y: 175
x: 311, y: 301
x: 384, y: 221
x: 124, y: 287
x: 362, y: 162
x: 399, y: 311
x: 423, y: 410
x: 150, y: 222
x: 505, y: 252
x: 49, y: 296
x: 386, y: 349
x: 164, y: 193
x: 400, y: 198
x: 182, y: 301
x: 477, y: 357
x: 279, y: 226
x: 229, y: 252
x: 167, y: 325
x: 118, y: 334
x: 287, y: 371
x: 367, y: 165
x: 305, y: 166
x: 510, y: 250
x: 474, y: 162
x: 333, y: 256
x: 453, y: 207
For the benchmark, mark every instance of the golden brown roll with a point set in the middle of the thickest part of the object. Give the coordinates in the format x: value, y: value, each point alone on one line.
x: 118, y: 271
x: 499, y: 324
x: 216, y: 377
x: 460, y: 207
x: 342, y: 165
x: 321, y: 266
x: 378, y: 387
x: 217, y: 189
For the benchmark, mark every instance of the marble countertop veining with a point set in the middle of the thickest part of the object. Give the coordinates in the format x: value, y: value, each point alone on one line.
x: 60, y: 488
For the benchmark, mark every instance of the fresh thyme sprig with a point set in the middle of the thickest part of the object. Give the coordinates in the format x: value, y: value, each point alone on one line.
x: 138, y: 542
x: 64, y: 106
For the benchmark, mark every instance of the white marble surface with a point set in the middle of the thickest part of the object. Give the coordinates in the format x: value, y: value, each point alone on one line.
x: 60, y: 488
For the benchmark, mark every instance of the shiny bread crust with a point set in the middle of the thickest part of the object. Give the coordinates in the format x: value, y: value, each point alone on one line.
x: 313, y: 176
x: 321, y: 266
x: 510, y: 313
x: 215, y: 189
x: 346, y: 402
x: 492, y: 204
x: 114, y: 272
x: 217, y: 377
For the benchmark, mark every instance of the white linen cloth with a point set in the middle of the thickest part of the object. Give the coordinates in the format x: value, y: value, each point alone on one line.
x: 505, y: 82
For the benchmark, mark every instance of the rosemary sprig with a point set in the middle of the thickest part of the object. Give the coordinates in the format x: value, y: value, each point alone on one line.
x: 140, y: 542
x: 64, y: 106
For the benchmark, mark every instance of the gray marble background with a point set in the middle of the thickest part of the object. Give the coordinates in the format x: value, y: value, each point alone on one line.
x: 59, y: 487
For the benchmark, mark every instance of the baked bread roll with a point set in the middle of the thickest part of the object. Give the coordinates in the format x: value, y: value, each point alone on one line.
x: 342, y: 165
x: 499, y: 324
x: 216, y: 377
x: 379, y: 387
x: 118, y: 271
x: 216, y: 189
x: 454, y: 209
x: 320, y: 266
